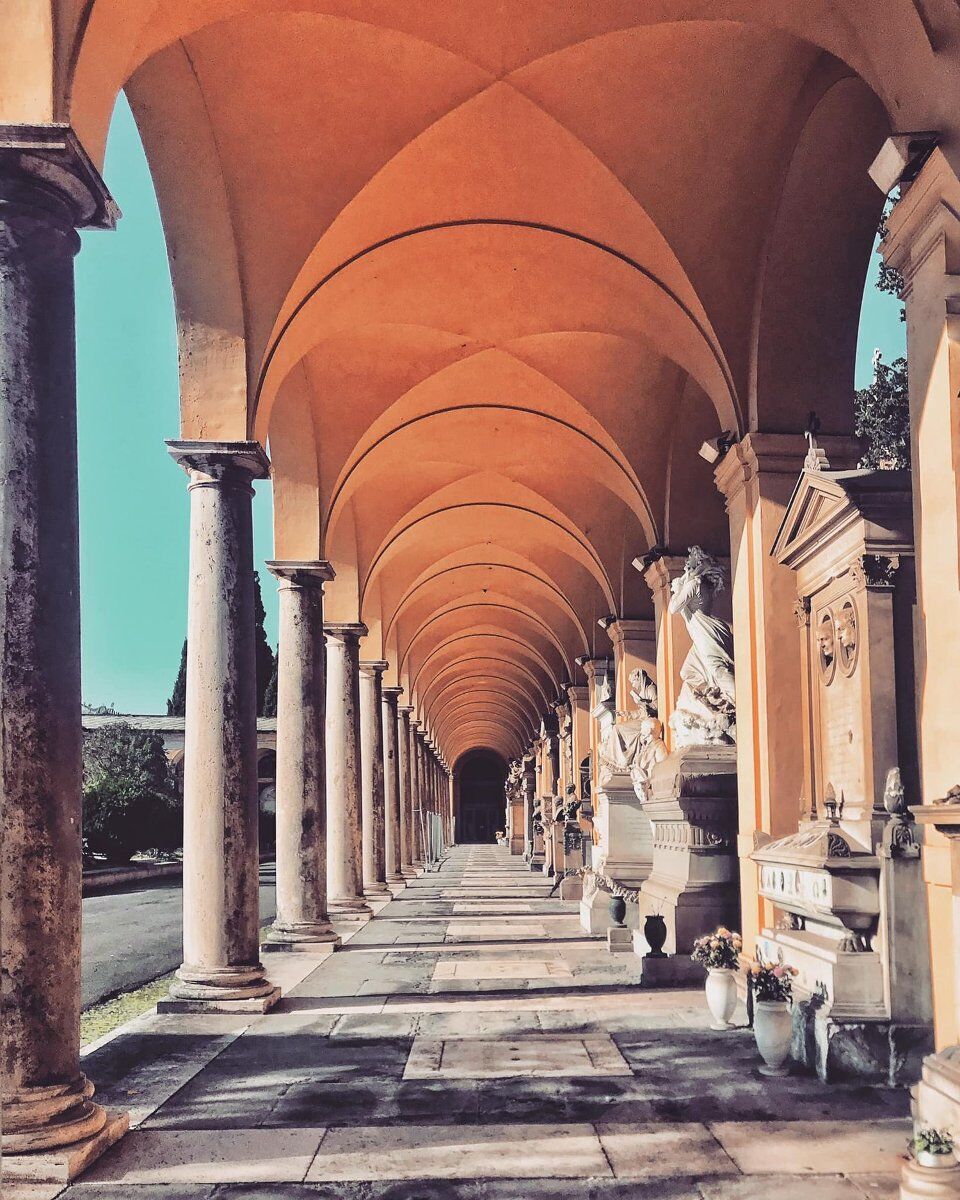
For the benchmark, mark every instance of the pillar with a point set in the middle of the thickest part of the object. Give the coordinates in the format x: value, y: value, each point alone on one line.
x: 670, y: 632
x: 372, y: 781
x: 923, y: 243
x: 344, y: 822
x: 405, y: 762
x: 221, y: 970
x: 579, y: 731
x: 391, y: 788
x: 634, y: 645
x: 757, y: 477
x: 416, y: 783
x: 48, y: 188
x: 301, y: 920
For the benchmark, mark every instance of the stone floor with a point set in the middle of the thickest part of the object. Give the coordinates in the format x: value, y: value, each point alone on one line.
x: 471, y: 1043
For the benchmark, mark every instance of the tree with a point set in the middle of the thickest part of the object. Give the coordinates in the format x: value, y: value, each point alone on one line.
x: 130, y: 801
x: 266, y: 663
x: 270, y: 697
x: 882, y: 413
x: 177, y: 704
x: 265, y: 660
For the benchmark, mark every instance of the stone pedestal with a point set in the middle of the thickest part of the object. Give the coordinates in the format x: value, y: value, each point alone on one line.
x: 692, y: 806
x: 571, y: 886
x: 344, y: 829
x: 302, y: 921
x: 221, y: 971
x: 624, y: 849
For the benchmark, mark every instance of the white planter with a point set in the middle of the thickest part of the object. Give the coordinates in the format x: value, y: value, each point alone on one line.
x: 721, y: 989
x: 939, y: 1162
x: 773, y: 1031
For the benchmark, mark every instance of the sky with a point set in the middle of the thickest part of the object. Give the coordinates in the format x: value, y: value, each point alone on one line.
x: 133, y: 498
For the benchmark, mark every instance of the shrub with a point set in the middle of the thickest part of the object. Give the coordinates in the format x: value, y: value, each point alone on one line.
x: 130, y: 802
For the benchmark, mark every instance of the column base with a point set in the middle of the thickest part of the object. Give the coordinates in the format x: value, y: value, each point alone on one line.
x: 308, y: 937
x: 220, y: 990
x: 22, y: 1172
x: 408, y: 872
x: 929, y: 1183
x: 349, y: 908
x: 46, y: 1118
x: 376, y: 891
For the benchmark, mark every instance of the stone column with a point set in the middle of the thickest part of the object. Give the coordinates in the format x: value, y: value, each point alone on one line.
x: 47, y: 188
x: 634, y: 645
x: 404, y: 757
x: 579, y: 698
x: 391, y: 789
x: 923, y: 243
x: 221, y: 970
x: 302, y: 920
x: 416, y: 759
x: 344, y: 822
x: 672, y: 639
x: 372, y: 783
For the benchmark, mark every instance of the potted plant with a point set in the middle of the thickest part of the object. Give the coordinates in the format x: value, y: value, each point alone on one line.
x: 933, y: 1148
x: 719, y: 953
x: 772, y: 1018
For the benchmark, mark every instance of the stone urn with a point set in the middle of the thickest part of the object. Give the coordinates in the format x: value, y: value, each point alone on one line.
x: 721, y: 990
x: 655, y: 932
x: 773, y: 1031
x: 938, y: 1162
x: 618, y: 910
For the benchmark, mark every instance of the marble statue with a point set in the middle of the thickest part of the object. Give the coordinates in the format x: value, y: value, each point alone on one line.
x: 624, y: 740
x: 705, y: 713
x: 653, y: 749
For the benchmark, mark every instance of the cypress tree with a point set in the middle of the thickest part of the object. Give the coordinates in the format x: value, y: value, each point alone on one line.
x: 266, y: 664
x: 270, y: 699
x: 177, y: 704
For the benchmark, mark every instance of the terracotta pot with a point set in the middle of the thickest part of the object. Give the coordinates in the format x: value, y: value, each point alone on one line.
x: 773, y: 1031
x: 721, y: 989
x: 655, y: 932
x: 617, y: 909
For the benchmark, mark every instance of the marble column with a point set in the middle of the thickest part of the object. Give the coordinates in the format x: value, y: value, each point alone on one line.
x: 48, y: 188
x: 757, y: 477
x: 634, y: 645
x: 372, y: 782
x: 404, y: 759
x: 221, y: 968
x: 672, y: 639
x: 344, y: 821
x: 391, y: 789
x: 416, y: 762
x: 301, y: 920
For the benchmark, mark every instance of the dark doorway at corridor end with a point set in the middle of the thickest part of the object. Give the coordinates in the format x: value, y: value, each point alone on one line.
x: 479, y: 797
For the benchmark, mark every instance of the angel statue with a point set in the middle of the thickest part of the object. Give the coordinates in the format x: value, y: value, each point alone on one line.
x: 705, y: 713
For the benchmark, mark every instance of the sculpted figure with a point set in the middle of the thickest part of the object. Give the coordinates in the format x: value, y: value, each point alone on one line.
x: 706, y: 707
x: 653, y: 749
x: 623, y: 740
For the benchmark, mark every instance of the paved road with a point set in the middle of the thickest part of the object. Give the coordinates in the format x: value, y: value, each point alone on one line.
x: 133, y: 934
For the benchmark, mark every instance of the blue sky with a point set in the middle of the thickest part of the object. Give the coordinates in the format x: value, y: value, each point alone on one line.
x: 133, y: 499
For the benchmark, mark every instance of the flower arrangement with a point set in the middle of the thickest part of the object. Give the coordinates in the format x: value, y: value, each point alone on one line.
x: 772, y: 981
x: 718, y: 950
x: 932, y: 1141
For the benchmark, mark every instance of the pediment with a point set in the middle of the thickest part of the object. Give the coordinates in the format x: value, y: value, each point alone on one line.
x: 818, y: 507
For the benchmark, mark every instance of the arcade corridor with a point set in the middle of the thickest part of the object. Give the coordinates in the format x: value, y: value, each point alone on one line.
x: 472, y: 1042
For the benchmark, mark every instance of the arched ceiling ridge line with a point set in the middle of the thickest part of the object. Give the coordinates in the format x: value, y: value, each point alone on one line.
x: 515, y: 696
x: 500, y: 637
x: 488, y: 658
x: 546, y: 583
x: 622, y: 464
x: 489, y: 700
x: 709, y: 338
x: 437, y: 616
x: 579, y: 538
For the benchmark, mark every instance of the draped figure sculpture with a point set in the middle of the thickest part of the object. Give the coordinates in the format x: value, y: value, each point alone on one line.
x: 705, y: 713
x: 634, y: 744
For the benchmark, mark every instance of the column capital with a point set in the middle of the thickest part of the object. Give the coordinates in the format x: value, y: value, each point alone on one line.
x: 302, y: 573
x: 220, y: 462
x: 925, y: 216
x: 393, y: 694
x: 346, y: 631
x: 594, y: 668
x: 405, y: 710
x: 48, y: 161
x: 373, y: 666
x: 759, y: 453
x: 415, y: 725
x: 626, y: 629
x: 577, y: 694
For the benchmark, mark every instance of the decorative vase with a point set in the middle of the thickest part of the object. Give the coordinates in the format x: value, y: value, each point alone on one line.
x: 773, y: 1031
x: 939, y: 1162
x: 618, y: 910
x: 655, y: 932
x: 721, y: 989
